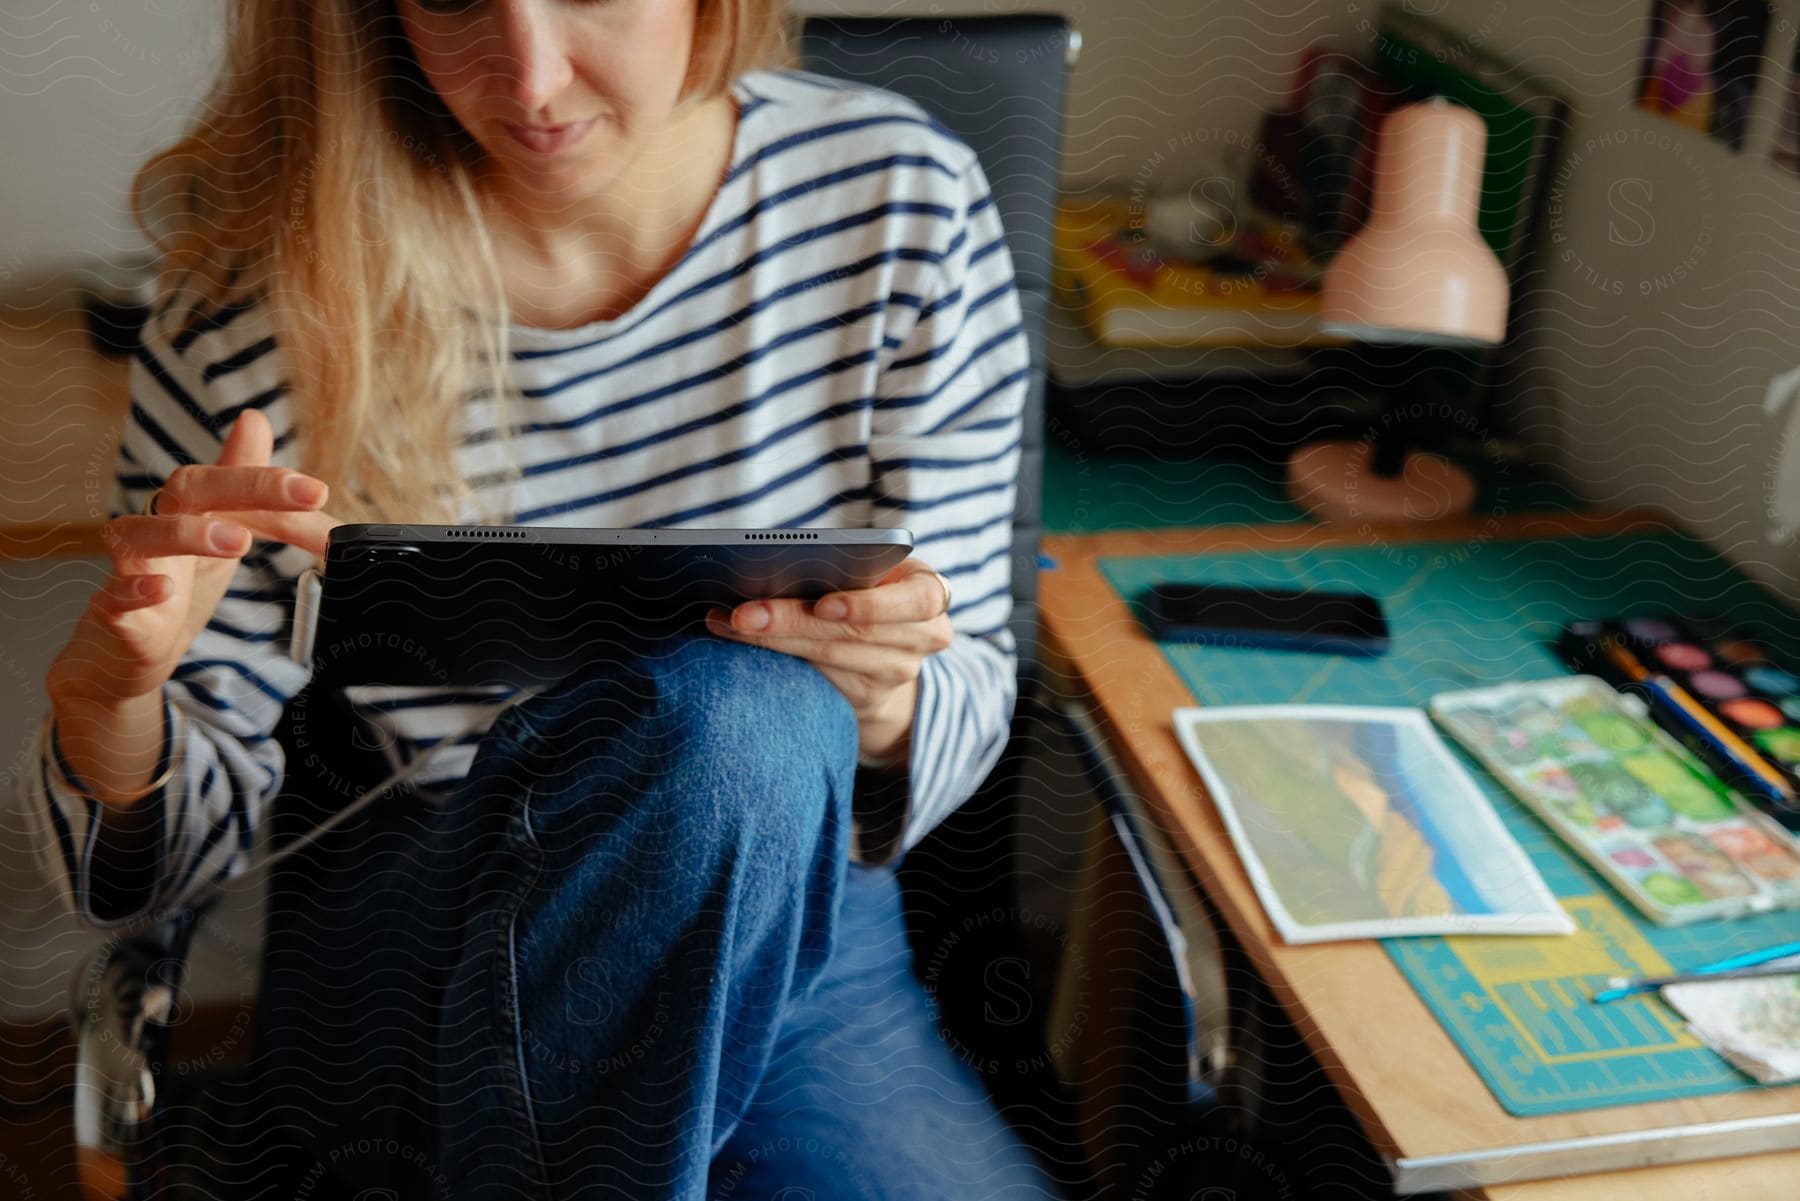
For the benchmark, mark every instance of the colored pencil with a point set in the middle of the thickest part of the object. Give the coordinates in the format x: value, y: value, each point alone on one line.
x: 1740, y: 752
x: 1626, y: 661
x: 1676, y: 699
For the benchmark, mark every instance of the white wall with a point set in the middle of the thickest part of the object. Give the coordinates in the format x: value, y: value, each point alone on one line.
x: 89, y: 88
x: 1672, y: 294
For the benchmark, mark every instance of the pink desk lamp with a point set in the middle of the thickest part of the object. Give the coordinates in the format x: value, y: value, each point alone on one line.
x: 1416, y: 274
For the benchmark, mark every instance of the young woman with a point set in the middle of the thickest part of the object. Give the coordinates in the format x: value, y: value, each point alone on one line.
x: 587, y: 262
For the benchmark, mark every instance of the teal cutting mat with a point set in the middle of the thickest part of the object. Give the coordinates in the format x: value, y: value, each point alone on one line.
x: 1467, y: 615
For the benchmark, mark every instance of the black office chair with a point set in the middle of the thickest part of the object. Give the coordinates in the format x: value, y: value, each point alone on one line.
x: 1009, y: 108
x: 998, y: 82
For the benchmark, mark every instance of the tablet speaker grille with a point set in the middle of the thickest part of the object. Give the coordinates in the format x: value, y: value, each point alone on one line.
x: 797, y: 536
x: 480, y: 532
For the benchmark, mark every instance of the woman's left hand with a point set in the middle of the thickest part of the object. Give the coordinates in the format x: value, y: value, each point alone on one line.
x: 871, y: 651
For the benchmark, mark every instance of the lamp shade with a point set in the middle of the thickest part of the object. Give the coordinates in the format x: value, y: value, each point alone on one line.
x: 1418, y: 270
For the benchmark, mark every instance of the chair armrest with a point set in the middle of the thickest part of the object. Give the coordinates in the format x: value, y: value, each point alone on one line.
x: 1192, y: 948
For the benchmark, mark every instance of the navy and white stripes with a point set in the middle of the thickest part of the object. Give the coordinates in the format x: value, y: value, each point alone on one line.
x: 840, y: 346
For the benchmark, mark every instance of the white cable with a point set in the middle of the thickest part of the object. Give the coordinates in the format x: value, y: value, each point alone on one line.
x: 406, y: 772
x: 308, y: 590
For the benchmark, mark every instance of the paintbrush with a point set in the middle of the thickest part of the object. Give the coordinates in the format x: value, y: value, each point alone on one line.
x: 1625, y: 986
x: 1736, y: 967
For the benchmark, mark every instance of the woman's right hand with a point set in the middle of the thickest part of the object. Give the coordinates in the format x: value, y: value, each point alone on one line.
x: 171, y: 570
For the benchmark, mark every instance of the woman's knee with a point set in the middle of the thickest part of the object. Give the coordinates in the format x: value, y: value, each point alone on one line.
x: 706, y: 732
x: 751, y: 702
x: 733, y: 687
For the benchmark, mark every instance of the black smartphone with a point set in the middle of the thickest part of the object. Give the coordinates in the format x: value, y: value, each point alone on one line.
x: 1331, y: 623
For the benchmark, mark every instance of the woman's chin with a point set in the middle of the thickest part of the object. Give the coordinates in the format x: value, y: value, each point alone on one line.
x: 553, y: 174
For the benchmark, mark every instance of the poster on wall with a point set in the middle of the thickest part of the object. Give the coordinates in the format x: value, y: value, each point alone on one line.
x: 1701, y: 62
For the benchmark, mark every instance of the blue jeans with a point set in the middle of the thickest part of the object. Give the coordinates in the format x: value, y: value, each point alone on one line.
x: 649, y: 968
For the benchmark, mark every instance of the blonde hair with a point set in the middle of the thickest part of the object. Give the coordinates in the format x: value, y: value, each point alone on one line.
x: 324, y: 171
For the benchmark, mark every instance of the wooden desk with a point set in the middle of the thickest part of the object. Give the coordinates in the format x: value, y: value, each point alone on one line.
x: 1407, y: 1082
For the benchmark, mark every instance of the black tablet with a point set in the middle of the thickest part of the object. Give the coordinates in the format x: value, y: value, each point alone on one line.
x: 524, y: 605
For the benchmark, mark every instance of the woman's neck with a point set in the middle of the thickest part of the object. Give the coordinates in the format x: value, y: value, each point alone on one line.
x: 571, y: 263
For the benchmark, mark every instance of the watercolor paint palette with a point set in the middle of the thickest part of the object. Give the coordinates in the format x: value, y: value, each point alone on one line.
x: 1732, y: 678
x: 1628, y: 798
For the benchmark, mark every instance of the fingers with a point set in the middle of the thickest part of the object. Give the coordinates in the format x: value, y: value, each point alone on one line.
x: 278, y: 504
x: 195, y: 488
x: 911, y: 593
x: 876, y: 666
x: 904, y: 611
x: 219, y: 533
x: 125, y: 593
x: 131, y: 540
x: 311, y: 531
x: 790, y: 627
x: 250, y: 442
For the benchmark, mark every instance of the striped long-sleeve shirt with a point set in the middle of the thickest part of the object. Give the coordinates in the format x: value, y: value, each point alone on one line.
x: 840, y: 346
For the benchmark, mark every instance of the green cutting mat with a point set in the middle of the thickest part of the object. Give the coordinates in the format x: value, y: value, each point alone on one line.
x: 1484, y: 612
